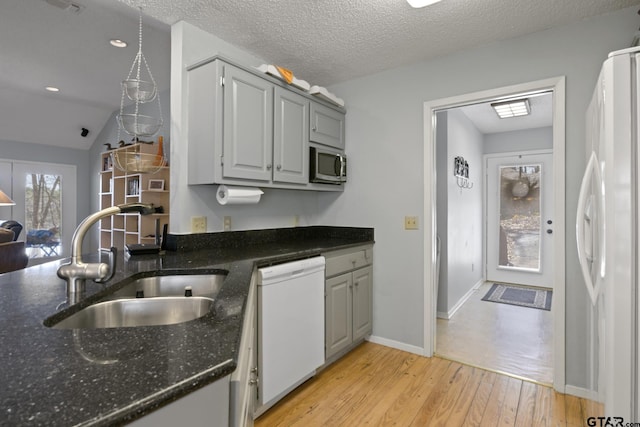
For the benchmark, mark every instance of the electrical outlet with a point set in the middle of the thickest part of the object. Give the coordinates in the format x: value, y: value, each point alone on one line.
x: 296, y: 220
x: 227, y: 223
x: 198, y: 224
x: 410, y: 222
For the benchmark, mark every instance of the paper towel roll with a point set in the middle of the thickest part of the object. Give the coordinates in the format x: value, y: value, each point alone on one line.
x: 238, y: 195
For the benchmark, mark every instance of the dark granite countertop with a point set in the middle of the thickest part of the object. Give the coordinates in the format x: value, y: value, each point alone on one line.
x: 113, y: 376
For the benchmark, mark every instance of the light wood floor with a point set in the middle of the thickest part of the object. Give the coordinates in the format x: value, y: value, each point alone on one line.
x: 501, y: 337
x: 377, y: 385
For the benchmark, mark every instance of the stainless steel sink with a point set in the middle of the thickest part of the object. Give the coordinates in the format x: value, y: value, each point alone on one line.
x: 176, y: 285
x: 138, y: 312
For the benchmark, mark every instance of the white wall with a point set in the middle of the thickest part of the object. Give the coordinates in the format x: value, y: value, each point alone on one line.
x: 461, y: 236
x: 519, y: 140
x: 384, y: 133
x: 277, y: 208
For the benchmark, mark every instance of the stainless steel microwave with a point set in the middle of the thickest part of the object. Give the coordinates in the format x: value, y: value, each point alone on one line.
x: 327, y: 167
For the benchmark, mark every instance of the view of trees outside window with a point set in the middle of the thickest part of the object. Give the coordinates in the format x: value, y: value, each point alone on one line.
x: 520, y: 225
x: 43, y: 214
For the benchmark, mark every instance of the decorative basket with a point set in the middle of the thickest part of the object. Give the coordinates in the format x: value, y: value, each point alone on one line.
x: 132, y: 162
x: 138, y: 125
x: 139, y: 90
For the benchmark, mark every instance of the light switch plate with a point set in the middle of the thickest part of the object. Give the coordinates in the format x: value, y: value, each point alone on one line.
x: 227, y: 223
x: 199, y: 224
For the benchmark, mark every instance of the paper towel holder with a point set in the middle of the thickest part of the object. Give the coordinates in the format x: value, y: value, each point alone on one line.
x: 238, y: 195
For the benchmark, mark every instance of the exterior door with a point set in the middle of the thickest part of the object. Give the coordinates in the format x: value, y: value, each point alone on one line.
x: 519, y: 224
x: 45, y: 196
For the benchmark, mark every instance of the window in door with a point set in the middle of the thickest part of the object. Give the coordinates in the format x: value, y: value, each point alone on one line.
x: 43, y: 214
x: 520, y: 227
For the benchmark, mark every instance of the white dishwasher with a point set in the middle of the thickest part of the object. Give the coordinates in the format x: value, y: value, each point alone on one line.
x: 290, y: 326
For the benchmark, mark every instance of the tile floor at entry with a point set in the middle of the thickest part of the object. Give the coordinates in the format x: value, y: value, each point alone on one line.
x: 501, y: 337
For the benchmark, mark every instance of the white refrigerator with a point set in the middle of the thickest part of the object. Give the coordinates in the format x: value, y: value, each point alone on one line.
x: 607, y: 234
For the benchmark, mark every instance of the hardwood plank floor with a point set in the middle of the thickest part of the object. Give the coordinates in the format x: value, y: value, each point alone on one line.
x: 501, y: 337
x: 376, y: 385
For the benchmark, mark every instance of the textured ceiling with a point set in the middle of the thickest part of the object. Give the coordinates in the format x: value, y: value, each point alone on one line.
x: 322, y: 41
x: 329, y: 41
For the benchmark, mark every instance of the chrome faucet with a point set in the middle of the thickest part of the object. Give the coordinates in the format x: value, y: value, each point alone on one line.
x: 76, y: 271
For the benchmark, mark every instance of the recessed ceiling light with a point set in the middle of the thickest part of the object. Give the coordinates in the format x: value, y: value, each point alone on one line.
x: 118, y: 43
x: 514, y: 108
x: 421, y: 3
x: 52, y: 89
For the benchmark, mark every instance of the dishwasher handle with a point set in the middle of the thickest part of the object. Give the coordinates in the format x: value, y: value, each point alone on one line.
x: 289, y: 270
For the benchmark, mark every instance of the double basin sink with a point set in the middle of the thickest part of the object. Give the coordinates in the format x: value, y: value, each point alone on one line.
x: 149, y: 301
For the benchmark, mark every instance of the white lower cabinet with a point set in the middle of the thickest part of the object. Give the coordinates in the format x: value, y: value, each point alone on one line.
x: 348, y: 299
x: 208, y: 406
x: 244, y: 380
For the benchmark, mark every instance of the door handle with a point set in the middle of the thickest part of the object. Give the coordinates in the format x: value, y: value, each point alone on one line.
x: 593, y: 169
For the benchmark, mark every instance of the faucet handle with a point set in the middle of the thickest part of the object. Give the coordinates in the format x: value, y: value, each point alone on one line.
x: 113, y: 252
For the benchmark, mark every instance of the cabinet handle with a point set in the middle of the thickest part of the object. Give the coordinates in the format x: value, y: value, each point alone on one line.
x: 269, y: 167
x: 278, y: 167
x: 253, y: 382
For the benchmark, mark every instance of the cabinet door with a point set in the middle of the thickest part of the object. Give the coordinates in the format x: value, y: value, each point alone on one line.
x: 327, y: 126
x: 248, y: 126
x: 338, y: 314
x: 362, y: 302
x: 290, y: 142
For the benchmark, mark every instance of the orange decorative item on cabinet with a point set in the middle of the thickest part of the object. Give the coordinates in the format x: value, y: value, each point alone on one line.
x: 160, y: 160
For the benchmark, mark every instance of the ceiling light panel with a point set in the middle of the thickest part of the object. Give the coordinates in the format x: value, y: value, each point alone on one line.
x: 515, y: 108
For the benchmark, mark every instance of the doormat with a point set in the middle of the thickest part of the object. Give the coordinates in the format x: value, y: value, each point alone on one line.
x: 519, y: 295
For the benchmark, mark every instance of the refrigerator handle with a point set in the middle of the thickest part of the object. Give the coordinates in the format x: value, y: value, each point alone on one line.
x: 593, y: 166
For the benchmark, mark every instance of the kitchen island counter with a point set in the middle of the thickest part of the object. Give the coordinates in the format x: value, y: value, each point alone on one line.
x: 115, y: 375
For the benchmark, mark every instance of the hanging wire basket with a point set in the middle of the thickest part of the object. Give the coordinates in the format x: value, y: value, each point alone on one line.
x: 139, y: 125
x: 132, y: 162
x: 140, y: 89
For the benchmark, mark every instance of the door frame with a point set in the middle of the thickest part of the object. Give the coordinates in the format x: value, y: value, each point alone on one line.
x: 556, y: 85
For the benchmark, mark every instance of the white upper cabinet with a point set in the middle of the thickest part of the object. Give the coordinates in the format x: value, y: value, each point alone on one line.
x: 327, y: 126
x: 290, y: 142
x: 248, y: 126
x: 244, y: 128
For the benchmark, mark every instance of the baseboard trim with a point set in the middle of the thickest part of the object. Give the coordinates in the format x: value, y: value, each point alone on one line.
x: 581, y: 392
x: 397, y: 345
x: 448, y: 315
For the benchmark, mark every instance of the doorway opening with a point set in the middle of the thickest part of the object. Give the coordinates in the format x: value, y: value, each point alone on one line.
x: 468, y: 242
x: 45, y: 205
